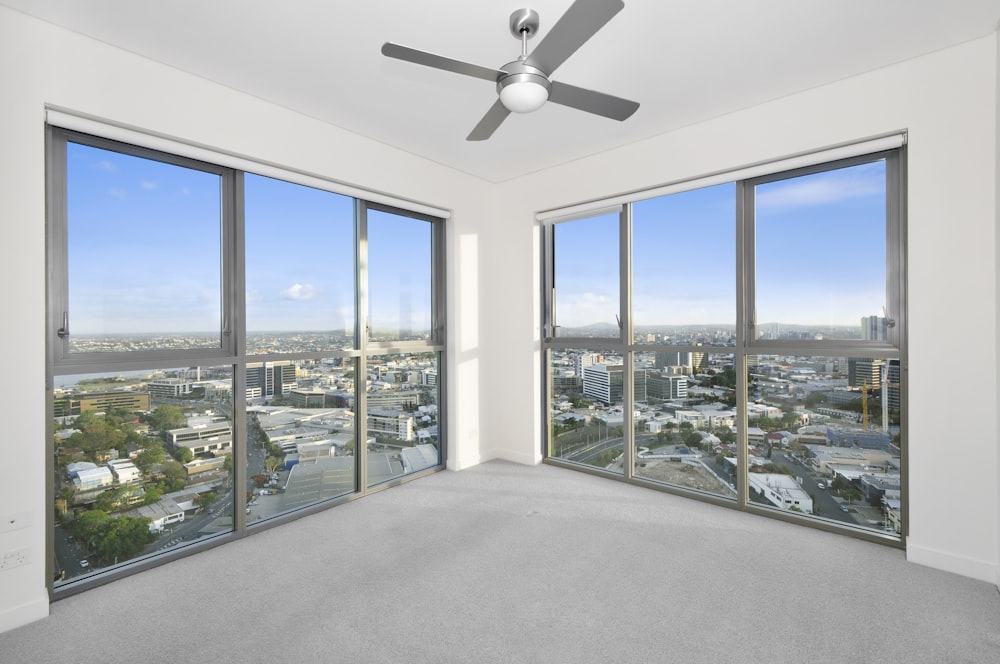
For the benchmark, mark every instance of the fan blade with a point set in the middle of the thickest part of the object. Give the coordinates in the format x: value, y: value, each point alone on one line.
x: 497, y: 114
x: 591, y: 101
x: 576, y: 26
x: 408, y: 54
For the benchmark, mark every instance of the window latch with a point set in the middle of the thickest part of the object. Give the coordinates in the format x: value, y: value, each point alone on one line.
x: 63, y: 331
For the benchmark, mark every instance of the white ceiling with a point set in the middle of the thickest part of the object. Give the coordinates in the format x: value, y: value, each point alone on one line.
x: 683, y: 61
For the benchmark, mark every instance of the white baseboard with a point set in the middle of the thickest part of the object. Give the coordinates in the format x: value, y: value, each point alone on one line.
x: 518, y: 455
x: 22, y: 614
x: 981, y: 570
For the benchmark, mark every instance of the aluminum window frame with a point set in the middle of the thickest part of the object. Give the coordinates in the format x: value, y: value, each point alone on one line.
x: 59, y: 322
x: 233, y: 333
x: 893, y: 151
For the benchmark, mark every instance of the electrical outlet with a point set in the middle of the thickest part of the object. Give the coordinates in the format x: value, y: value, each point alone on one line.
x: 12, y: 559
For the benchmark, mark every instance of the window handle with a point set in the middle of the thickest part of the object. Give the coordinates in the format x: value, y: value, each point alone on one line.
x: 889, y: 322
x: 64, y: 330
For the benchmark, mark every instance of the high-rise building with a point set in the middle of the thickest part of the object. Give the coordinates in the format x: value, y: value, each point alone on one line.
x: 605, y: 383
x: 269, y: 379
x: 672, y: 358
x: 666, y: 386
x: 584, y: 360
x: 864, y: 371
x: 892, y: 378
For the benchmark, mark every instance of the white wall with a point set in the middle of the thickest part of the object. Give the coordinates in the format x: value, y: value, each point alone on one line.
x: 996, y: 194
x: 948, y: 103
x: 41, y: 64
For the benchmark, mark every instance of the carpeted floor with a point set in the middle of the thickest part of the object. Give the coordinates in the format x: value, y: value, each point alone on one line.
x: 510, y: 563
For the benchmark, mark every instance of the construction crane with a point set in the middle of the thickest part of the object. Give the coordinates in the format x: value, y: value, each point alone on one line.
x: 865, y: 389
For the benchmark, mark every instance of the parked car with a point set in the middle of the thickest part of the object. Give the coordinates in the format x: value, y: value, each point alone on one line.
x: 820, y: 485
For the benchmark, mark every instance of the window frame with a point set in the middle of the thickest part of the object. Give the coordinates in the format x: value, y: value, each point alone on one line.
x: 60, y: 323
x: 233, y: 351
x: 893, y: 151
x: 894, y: 262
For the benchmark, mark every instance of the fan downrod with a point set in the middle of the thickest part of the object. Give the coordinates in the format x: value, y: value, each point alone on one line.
x: 524, y: 24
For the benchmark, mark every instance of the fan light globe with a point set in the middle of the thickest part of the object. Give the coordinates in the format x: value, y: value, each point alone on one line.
x: 523, y: 96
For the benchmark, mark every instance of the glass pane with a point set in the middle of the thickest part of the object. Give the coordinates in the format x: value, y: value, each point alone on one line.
x: 400, y: 285
x: 299, y: 267
x: 587, y: 417
x: 824, y: 436
x: 402, y: 415
x: 143, y: 464
x: 144, y: 253
x: 821, y: 254
x: 587, y: 293
x: 684, y: 271
x: 300, y: 436
x: 686, y: 423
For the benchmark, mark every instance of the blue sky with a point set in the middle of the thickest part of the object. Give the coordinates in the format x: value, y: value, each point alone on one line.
x: 145, y: 247
x: 820, y: 255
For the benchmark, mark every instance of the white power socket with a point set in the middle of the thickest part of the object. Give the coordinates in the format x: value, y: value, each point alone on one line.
x: 12, y: 559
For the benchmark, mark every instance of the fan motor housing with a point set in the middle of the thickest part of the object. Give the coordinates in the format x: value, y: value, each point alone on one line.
x: 524, y: 22
x: 518, y: 72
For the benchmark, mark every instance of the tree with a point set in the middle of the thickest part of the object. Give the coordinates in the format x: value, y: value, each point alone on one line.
x: 109, y: 500
x: 97, y: 434
x: 693, y: 439
x: 205, y: 500
x: 88, y: 526
x: 184, y: 454
x: 850, y: 494
x: 152, y: 494
x: 166, y: 417
x: 152, y: 453
x: 174, y: 476
x: 122, y: 538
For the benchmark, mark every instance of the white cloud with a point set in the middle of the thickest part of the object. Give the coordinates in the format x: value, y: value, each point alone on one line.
x: 149, y: 184
x: 106, y: 165
x: 299, y: 292
x: 117, y: 193
x: 822, y: 189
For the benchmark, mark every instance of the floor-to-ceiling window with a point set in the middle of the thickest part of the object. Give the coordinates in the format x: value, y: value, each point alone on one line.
x: 226, y: 350
x: 738, y: 340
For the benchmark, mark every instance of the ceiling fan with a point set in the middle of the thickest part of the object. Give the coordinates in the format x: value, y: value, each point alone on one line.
x: 524, y: 85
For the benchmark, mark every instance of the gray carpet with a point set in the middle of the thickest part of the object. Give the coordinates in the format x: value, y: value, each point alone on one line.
x: 509, y: 563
